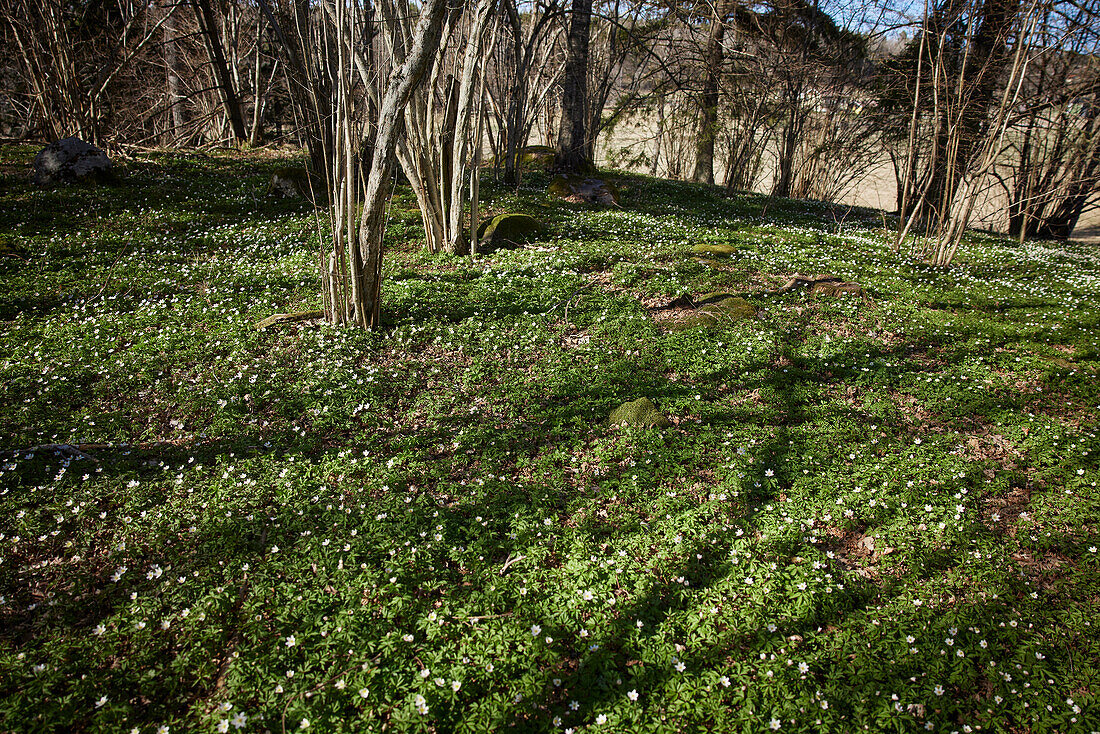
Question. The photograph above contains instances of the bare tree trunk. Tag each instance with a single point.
(259, 93)
(981, 161)
(516, 100)
(655, 163)
(570, 153)
(366, 271)
(525, 74)
(70, 75)
(967, 53)
(208, 26)
(310, 90)
(791, 134)
(1058, 163)
(904, 176)
(177, 100)
(475, 172)
(712, 71)
(440, 122)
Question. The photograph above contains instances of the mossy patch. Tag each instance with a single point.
(537, 156)
(640, 413)
(716, 250)
(713, 310)
(531, 157)
(537, 151)
(506, 231)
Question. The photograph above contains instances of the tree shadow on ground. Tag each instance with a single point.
(559, 411)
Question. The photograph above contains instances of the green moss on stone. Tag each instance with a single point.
(529, 157)
(717, 250)
(715, 309)
(640, 413)
(537, 156)
(506, 231)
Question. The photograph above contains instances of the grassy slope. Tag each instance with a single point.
(871, 514)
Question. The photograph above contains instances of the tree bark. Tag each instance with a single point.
(712, 73)
(367, 257)
(177, 100)
(208, 25)
(570, 155)
(963, 126)
(517, 99)
(440, 127)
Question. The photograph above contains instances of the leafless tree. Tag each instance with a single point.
(441, 122)
(210, 26)
(73, 53)
(713, 62)
(971, 59)
(960, 56)
(978, 166)
(177, 98)
(407, 74)
(522, 74)
(623, 33)
(1055, 138)
(356, 110)
(308, 59)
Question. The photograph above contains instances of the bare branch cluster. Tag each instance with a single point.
(970, 101)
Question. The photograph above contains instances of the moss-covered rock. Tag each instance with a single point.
(640, 413)
(726, 308)
(713, 297)
(715, 309)
(294, 183)
(715, 250)
(583, 190)
(506, 231)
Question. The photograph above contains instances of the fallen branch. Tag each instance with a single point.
(285, 318)
(509, 561)
(110, 272)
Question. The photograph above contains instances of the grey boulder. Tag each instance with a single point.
(71, 160)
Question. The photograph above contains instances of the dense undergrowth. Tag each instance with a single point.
(870, 514)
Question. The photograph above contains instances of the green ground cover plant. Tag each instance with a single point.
(869, 513)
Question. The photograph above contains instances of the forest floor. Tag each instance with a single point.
(869, 512)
